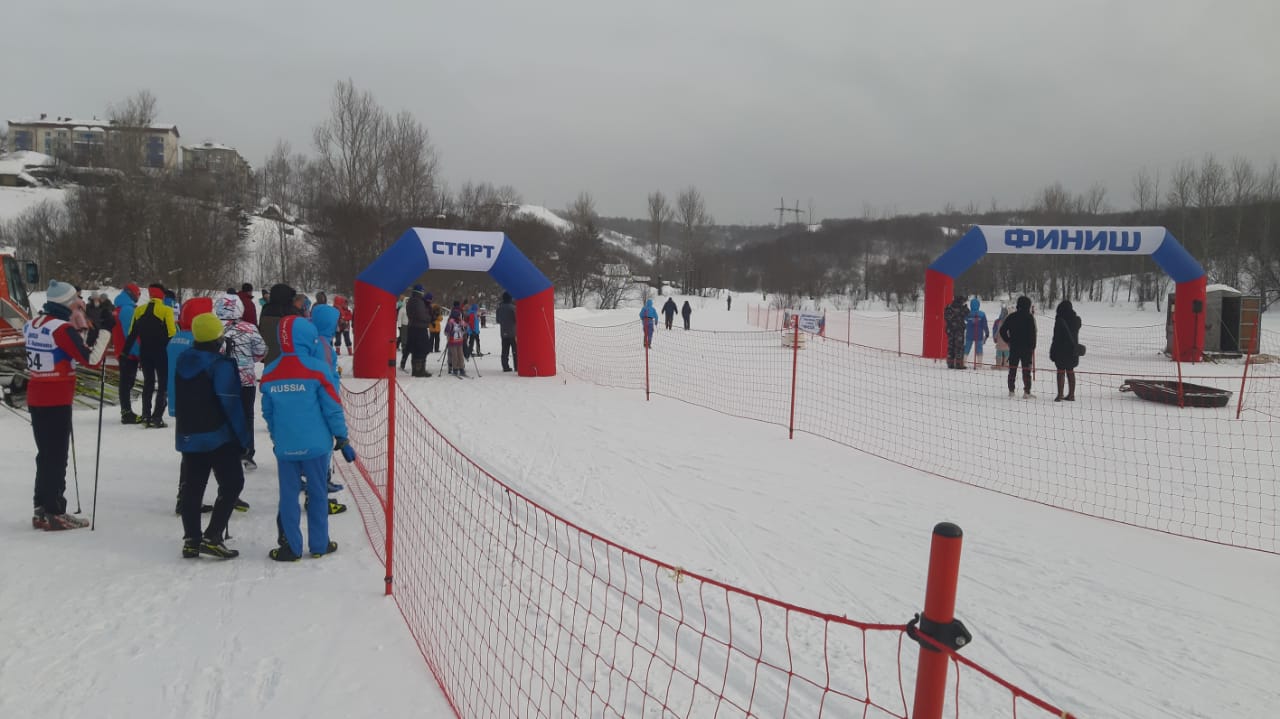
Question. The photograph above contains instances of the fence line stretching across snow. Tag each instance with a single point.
(519, 612)
(1208, 474)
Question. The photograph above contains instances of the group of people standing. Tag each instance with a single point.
(202, 368)
(649, 317)
(1015, 333)
(422, 321)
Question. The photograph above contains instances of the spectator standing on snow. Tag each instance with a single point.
(455, 331)
(280, 305)
(1002, 347)
(418, 311)
(1019, 332)
(243, 343)
(728, 303)
(343, 334)
(956, 316)
(437, 319)
(246, 300)
(126, 355)
(668, 310)
(153, 326)
(182, 341)
(473, 330)
(321, 298)
(304, 416)
(263, 300)
(53, 350)
(649, 319)
(507, 329)
(976, 332)
(685, 313)
(1064, 350)
(211, 435)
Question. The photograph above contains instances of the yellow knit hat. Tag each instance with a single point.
(206, 327)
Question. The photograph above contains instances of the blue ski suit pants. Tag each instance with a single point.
(291, 474)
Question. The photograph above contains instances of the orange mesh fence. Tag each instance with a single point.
(519, 612)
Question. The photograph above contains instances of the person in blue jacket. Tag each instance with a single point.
(303, 411)
(976, 331)
(127, 358)
(211, 435)
(325, 318)
(648, 316)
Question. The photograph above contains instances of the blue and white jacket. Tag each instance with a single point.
(300, 401)
(325, 318)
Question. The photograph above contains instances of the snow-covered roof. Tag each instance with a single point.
(11, 167)
(81, 125)
(1222, 288)
(209, 146)
(29, 158)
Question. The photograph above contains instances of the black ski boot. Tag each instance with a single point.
(215, 548)
(128, 417)
(333, 547)
(283, 554)
(241, 506)
(190, 548)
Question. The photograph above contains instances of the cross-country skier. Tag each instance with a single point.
(669, 311)
(211, 435)
(473, 330)
(304, 416)
(153, 326)
(243, 343)
(1019, 331)
(976, 331)
(649, 319)
(955, 316)
(126, 356)
(54, 349)
(455, 332)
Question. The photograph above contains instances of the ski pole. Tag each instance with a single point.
(475, 364)
(75, 467)
(97, 458)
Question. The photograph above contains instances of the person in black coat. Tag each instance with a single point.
(1019, 332)
(686, 312)
(1064, 351)
(955, 317)
(669, 311)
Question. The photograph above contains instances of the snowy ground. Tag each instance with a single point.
(114, 623)
(1102, 619)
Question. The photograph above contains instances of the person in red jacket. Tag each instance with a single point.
(54, 348)
(250, 307)
(344, 325)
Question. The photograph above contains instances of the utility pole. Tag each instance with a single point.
(782, 208)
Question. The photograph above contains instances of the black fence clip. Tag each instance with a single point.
(953, 636)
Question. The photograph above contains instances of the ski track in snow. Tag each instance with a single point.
(116, 621)
(1100, 618)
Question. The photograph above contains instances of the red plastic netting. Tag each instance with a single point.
(1197, 472)
(521, 613)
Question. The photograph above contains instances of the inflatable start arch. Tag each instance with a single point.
(422, 249)
(1189, 276)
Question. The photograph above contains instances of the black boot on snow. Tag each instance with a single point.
(215, 548)
(127, 417)
(241, 506)
(333, 547)
(190, 548)
(283, 554)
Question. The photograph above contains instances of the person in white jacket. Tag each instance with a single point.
(402, 319)
(243, 343)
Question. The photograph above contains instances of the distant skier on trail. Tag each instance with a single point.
(455, 332)
(976, 332)
(211, 435)
(685, 313)
(649, 319)
(955, 316)
(1019, 331)
(54, 349)
(669, 311)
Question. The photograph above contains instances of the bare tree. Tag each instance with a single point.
(409, 171)
(126, 142)
(1210, 193)
(1243, 186)
(660, 215)
(350, 144)
(581, 250)
(1146, 191)
(695, 239)
(1268, 257)
(1094, 201)
(1182, 185)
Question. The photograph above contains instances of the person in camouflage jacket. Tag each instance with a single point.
(956, 317)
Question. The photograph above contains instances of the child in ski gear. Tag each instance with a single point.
(956, 315)
(344, 325)
(473, 330)
(437, 319)
(54, 349)
(507, 330)
(211, 435)
(976, 331)
(1002, 347)
(456, 334)
(668, 311)
(685, 313)
(126, 356)
(303, 411)
(1064, 350)
(649, 319)
(183, 339)
(1019, 332)
(242, 343)
(153, 326)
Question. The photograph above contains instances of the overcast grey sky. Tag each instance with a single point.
(899, 104)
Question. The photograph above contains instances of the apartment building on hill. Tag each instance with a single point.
(86, 143)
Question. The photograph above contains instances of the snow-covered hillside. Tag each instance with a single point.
(16, 200)
(626, 243)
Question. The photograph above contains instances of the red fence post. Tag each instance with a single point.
(390, 508)
(939, 611)
(1243, 376)
(795, 365)
(1177, 358)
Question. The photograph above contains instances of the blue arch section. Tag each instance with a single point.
(962, 255)
(493, 252)
(1174, 259)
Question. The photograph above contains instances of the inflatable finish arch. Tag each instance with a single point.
(421, 249)
(939, 281)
